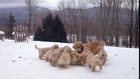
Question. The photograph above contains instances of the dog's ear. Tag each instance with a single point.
(74, 46)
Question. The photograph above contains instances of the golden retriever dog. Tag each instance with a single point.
(65, 58)
(79, 46)
(74, 58)
(49, 52)
(90, 59)
(42, 51)
(93, 61)
(102, 54)
(56, 55)
(82, 57)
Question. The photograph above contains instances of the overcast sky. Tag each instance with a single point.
(16, 3)
(51, 4)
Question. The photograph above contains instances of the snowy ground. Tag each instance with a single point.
(20, 61)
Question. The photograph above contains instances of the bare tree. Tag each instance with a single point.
(61, 8)
(68, 14)
(83, 20)
(96, 21)
(31, 5)
(130, 5)
(115, 21)
(102, 17)
(136, 25)
(107, 23)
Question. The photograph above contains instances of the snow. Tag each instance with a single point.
(1, 32)
(20, 61)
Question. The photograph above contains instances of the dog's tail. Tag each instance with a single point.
(36, 47)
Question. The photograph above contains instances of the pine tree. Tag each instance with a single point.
(59, 30)
(39, 34)
(47, 24)
(52, 30)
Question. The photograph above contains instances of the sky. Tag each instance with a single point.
(52, 4)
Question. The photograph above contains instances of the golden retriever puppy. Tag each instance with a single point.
(55, 55)
(79, 46)
(65, 58)
(82, 57)
(91, 60)
(48, 53)
(74, 58)
(102, 54)
(42, 51)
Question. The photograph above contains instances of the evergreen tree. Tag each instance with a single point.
(47, 24)
(39, 34)
(59, 30)
(11, 25)
(52, 30)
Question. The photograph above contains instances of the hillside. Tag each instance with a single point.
(20, 13)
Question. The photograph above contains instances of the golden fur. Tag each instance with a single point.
(56, 55)
(82, 57)
(102, 54)
(42, 51)
(93, 61)
(48, 54)
(65, 58)
(90, 59)
(74, 59)
(79, 46)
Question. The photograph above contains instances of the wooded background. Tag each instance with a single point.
(114, 21)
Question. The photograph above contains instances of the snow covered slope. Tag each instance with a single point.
(20, 61)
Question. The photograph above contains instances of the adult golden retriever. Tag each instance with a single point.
(79, 46)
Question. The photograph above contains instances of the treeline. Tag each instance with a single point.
(114, 21)
(110, 22)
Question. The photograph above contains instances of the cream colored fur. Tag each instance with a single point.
(48, 54)
(65, 58)
(79, 46)
(74, 59)
(102, 54)
(42, 51)
(90, 59)
(56, 55)
(93, 61)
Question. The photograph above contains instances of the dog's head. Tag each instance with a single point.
(78, 46)
(67, 49)
(55, 46)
